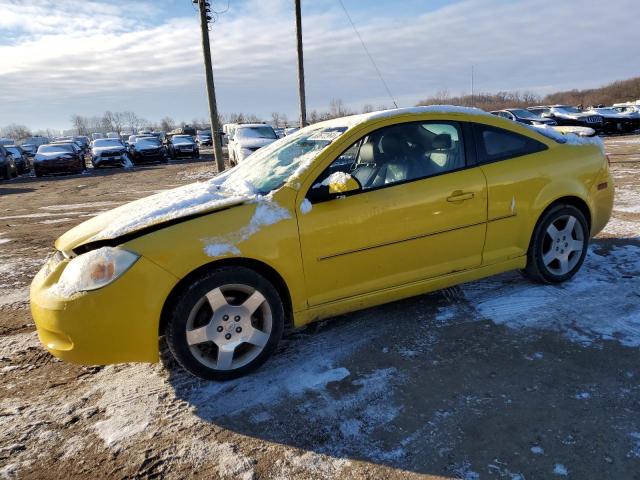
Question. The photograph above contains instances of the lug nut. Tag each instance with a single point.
(227, 336)
(237, 318)
(219, 328)
(225, 317)
(238, 329)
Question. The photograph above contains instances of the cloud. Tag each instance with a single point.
(69, 56)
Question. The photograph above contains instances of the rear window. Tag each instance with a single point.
(496, 144)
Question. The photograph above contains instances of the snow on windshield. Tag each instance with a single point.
(272, 166)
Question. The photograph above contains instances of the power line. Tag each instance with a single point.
(364, 46)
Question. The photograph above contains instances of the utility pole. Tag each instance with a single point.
(472, 92)
(301, 93)
(211, 91)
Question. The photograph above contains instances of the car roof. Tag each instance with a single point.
(253, 125)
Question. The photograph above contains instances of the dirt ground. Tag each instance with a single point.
(498, 379)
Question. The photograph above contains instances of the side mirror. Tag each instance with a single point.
(342, 184)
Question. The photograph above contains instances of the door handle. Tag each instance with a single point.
(459, 196)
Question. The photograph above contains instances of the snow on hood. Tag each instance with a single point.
(169, 205)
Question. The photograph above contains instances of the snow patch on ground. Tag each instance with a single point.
(572, 308)
(33, 215)
(130, 399)
(560, 470)
(12, 345)
(3, 239)
(628, 201)
(56, 220)
(80, 206)
(621, 228)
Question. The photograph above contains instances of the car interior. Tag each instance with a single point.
(400, 153)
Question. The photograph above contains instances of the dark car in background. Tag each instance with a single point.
(569, 116)
(109, 152)
(147, 149)
(8, 168)
(614, 121)
(20, 158)
(183, 146)
(29, 149)
(55, 158)
(77, 148)
(204, 138)
(523, 116)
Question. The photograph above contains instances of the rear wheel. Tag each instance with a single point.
(559, 245)
(226, 324)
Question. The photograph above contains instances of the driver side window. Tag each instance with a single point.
(394, 155)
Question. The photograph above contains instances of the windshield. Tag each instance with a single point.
(14, 150)
(521, 113)
(182, 139)
(270, 167)
(148, 141)
(609, 111)
(107, 142)
(256, 132)
(28, 148)
(569, 109)
(65, 148)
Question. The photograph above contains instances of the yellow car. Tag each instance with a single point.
(340, 216)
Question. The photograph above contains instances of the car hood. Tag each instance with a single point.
(53, 156)
(149, 213)
(142, 148)
(255, 142)
(98, 150)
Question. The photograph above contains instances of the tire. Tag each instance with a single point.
(559, 245)
(213, 306)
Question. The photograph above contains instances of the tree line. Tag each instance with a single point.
(127, 121)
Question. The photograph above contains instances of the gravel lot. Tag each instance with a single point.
(499, 378)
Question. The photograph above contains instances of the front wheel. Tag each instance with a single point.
(559, 245)
(225, 324)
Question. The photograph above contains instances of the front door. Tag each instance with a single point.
(419, 213)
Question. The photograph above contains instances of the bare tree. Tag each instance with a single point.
(15, 132)
(275, 119)
(80, 124)
(167, 124)
(367, 108)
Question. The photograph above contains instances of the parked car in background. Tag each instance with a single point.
(23, 165)
(109, 152)
(523, 116)
(55, 158)
(181, 146)
(29, 149)
(344, 215)
(36, 140)
(279, 132)
(113, 135)
(290, 130)
(6, 141)
(76, 147)
(8, 168)
(248, 138)
(567, 115)
(612, 120)
(631, 111)
(97, 136)
(147, 149)
(204, 138)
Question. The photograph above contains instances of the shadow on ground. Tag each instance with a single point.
(442, 384)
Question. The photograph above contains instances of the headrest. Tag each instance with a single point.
(391, 146)
(441, 142)
(366, 153)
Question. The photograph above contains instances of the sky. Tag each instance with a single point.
(65, 57)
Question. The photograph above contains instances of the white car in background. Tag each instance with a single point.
(249, 137)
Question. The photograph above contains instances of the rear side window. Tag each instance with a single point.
(496, 144)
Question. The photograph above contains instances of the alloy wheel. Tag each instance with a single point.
(229, 327)
(563, 245)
